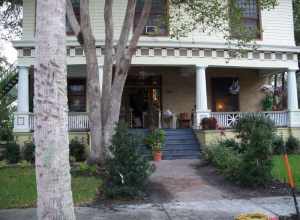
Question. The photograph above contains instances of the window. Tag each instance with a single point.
(157, 22)
(77, 95)
(76, 7)
(250, 16)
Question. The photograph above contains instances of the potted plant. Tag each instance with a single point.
(156, 140)
(209, 123)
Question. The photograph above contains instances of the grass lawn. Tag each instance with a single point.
(279, 168)
(18, 189)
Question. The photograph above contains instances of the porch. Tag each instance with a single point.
(171, 97)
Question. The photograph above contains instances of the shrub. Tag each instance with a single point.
(12, 153)
(249, 162)
(231, 143)
(257, 134)
(29, 152)
(84, 169)
(24, 163)
(127, 172)
(3, 163)
(77, 150)
(278, 145)
(292, 145)
(225, 159)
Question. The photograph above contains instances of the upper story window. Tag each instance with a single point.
(250, 16)
(157, 24)
(76, 7)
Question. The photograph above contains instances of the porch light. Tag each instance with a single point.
(220, 106)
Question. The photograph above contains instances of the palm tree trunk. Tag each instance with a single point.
(51, 114)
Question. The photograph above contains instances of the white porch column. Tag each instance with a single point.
(23, 119)
(293, 108)
(100, 77)
(292, 91)
(294, 113)
(201, 96)
(23, 90)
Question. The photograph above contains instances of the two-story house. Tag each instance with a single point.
(184, 79)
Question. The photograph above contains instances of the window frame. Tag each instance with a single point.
(259, 34)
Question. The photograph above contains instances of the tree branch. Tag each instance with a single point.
(108, 59)
(73, 21)
(126, 28)
(140, 27)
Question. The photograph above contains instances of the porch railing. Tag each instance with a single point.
(228, 119)
(77, 121)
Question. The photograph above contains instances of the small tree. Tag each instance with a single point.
(128, 171)
(257, 134)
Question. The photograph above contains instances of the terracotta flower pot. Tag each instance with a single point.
(157, 155)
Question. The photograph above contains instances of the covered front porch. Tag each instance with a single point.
(172, 97)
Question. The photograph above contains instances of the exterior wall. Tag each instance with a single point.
(178, 92)
(178, 88)
(277, 24)
(208, 137)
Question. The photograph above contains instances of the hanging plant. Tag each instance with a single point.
(234, 89)
(267, 103)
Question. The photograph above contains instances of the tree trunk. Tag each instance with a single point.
(104, 117)
(125, 50)
(94, 94)
(51, 114)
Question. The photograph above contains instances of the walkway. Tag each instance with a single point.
(188, 181)
(209, 210)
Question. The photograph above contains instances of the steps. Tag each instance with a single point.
(180, 144)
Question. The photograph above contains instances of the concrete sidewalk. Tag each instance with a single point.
(204, 210)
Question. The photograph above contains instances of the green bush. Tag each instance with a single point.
(278, 145)
(225, 159)
(77, 150)
(29, 152)
(250, 161)
(12, 153)
(292, 145)
(257, 134)
(231, 143)
(84, 169)
(127, 172)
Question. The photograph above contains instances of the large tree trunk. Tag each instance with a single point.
(94, 94)
(86, 38)
(112, 94)
(51, 114)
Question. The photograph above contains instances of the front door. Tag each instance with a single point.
(225, 94)
(141, 102)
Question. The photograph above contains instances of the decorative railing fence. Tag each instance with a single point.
(228, 119)
(79, 121)
(76, 121)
